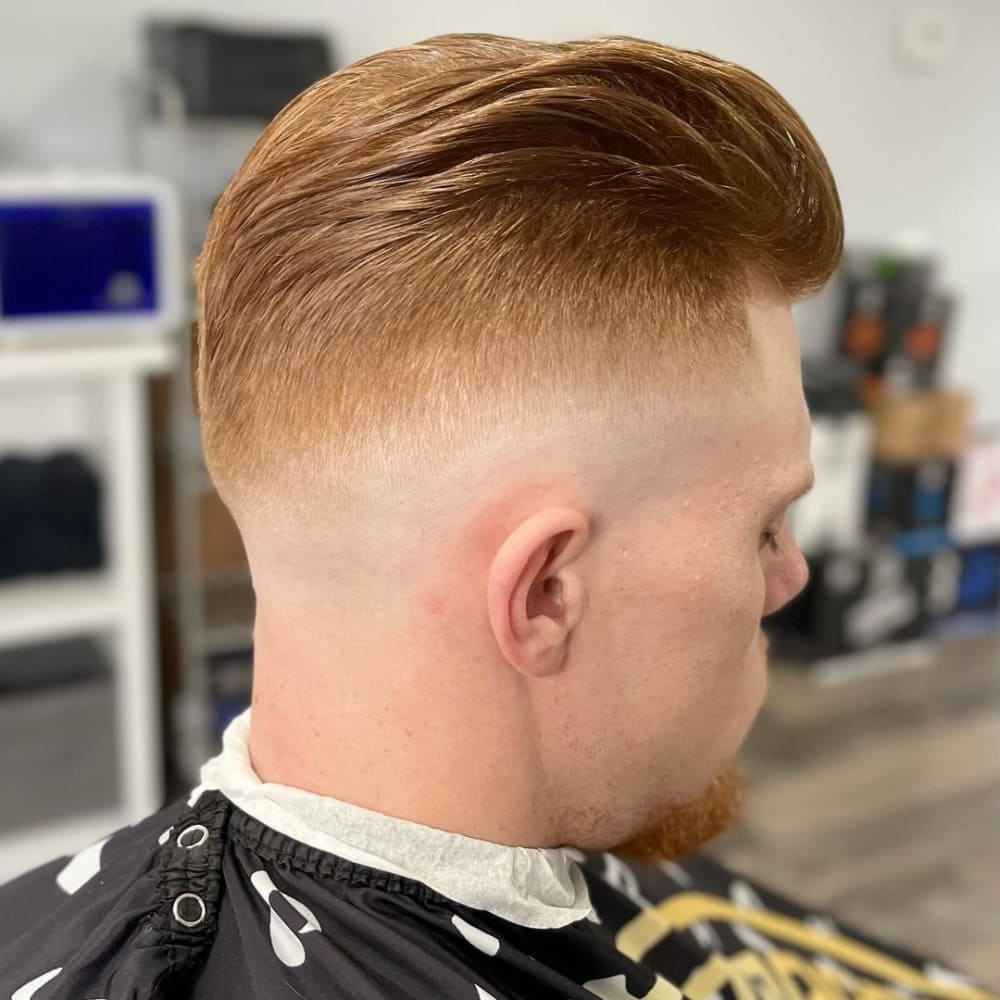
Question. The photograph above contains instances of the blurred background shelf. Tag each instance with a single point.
(36, 845)
(78, 669)
(41, 608)
(54, 356)
(58, 717)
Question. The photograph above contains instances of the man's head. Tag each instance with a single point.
(497, 373)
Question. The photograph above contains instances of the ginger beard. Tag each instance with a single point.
(691, 823)
(694, 821)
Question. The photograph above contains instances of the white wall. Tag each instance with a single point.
(908, 150)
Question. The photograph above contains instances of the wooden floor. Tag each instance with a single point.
(877, 799)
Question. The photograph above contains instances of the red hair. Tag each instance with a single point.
(451, 239)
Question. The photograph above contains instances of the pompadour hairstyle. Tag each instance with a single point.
(464, 236)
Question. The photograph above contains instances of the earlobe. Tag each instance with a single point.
(535, 594)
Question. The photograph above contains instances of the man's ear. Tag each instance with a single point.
(535, 593)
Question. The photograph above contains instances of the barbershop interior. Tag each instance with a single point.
(126, 603)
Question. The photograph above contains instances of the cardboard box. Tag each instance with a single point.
(916, 426)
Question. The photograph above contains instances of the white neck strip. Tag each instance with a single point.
(531, 886)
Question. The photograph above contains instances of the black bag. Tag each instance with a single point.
(50, 515)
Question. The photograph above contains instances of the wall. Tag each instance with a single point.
(908, 150)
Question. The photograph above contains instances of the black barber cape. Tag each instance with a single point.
(257, 891)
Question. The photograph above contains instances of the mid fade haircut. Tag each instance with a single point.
(468, 236)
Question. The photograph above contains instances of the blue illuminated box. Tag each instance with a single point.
(89, 252)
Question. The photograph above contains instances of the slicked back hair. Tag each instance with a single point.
(463, 236)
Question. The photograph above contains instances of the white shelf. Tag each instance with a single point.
(41, 608)
(120, 598)
(45, 357)
(22, 850)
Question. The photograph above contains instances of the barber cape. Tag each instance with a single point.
(253, 890)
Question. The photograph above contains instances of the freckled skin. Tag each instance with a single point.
(432, 603)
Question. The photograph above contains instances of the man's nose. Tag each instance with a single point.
(798, 572)
(792, 574)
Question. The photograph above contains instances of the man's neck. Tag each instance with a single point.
(417, 738)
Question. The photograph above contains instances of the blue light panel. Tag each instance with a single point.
(76, 259)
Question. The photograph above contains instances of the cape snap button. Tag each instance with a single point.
(189, 909)
(192, 836)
